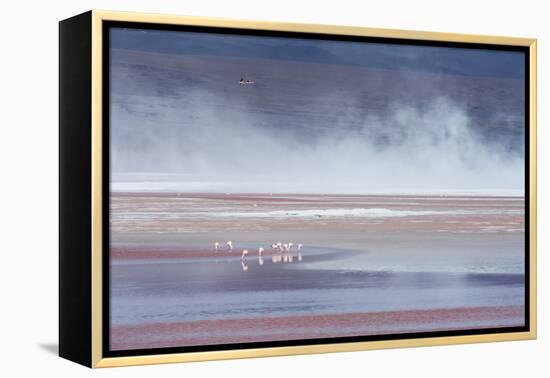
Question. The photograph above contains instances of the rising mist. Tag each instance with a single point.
(183, 123)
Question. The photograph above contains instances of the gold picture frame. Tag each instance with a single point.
(90, 329)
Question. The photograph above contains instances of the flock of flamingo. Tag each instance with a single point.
(282, 252)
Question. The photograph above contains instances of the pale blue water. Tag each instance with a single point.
(155, 291)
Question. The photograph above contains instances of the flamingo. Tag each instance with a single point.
(216, 246)
(245, 252)
(230, 246)
(260, 251)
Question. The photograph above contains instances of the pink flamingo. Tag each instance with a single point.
(244, 254)
(230, 246)
(216, 246)
(260, 251)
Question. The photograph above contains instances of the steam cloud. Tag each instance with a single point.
(201, 141)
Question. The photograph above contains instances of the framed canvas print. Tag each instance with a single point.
(235, 189)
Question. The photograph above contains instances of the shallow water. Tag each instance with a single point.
(199, 289)
(361, 254)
